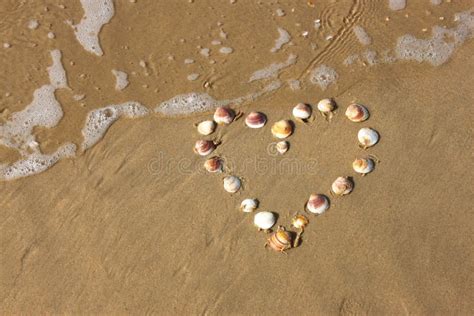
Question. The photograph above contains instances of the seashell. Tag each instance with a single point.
(232, 184)
(357, 112)
(282, 129)
(342, 186)
(206, 127)
(255, 120)
(317, 204)
(204, 147)
(363, 165)
(249, 205)
(213, 164)
(282, 147)
(368, 137)
(302, 112)
(299, 221)
(264, 220)
(280, 240)
(326, 106)
(223, 115)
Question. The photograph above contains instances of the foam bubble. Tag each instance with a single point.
(121, 79)
(351, 59)
(188, 103)
(370, 57)
(283, 38)
(193, 77)
(205, 52)
(96, 14)
(294, 84)
(396, 5)
(273, 70)
(33, 24)
(98, 121)
(56, 72)
(323, 76)
(436, 2)
(35, 163)
(362, 35)
(226, 50)
(279, 12)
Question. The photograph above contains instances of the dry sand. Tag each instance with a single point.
(134, 225)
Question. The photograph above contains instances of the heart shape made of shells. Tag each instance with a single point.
(282, 239)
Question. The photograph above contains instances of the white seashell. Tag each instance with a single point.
(232, 184)
(223, 115)
(357, 112)
(342, 186)
(282, 147)
(204, 147)
(326, 106)
(282, 129)
(317, 204)
(206, 127)
(367, 137)
(249, 205)
(363, 165)
(255, 120)
(213, 165)
(302, 111)
(264, 220)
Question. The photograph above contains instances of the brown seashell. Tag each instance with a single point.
(317, 204)
(280, 240)
(357, 112)
(342, 186)
(204, 147)
(223, 115)
(255, 120)
(213, 165)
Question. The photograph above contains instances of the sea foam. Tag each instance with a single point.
(98, 121)
(274, 69)
(323, 76)
(43, 111)
(188, 103)
(121, 79)
(56, 72)
(96, 14)
(362, 35)
(36, 163)
(283, 38)
(397, 5)
(437, 49)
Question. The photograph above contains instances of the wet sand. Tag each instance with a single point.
(134, 225)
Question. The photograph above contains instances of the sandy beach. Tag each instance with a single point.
(133, 224)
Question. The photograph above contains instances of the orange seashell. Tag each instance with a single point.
(280, 240)
(282, 129)
(299, 221)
